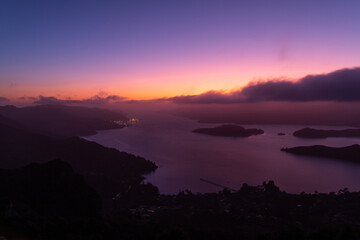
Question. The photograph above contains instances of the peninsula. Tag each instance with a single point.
(349, 153)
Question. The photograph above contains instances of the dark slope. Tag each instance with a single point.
(350, 153)
(47, 201)
(51, 188)
(19, 147)
(261, 212)
(8, 122)
(62, 120)
(229, 131)
(107, 170)
(319, 133)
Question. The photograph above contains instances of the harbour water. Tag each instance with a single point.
(184, 157)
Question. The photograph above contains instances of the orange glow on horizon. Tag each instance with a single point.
(145, 86)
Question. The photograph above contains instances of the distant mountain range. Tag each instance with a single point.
(61, 120)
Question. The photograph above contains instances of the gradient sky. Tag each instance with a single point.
(150, 49)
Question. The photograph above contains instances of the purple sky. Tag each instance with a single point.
(150, 49)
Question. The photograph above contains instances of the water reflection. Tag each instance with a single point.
(184, 157)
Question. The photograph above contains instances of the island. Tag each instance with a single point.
(319, 133)
(349, 153)
(229, 130)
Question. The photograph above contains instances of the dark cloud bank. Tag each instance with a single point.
(341, 85)
(3, 99)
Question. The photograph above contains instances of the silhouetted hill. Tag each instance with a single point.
(8, 122)
(350, 153)
(47, 201)
(51, 189)
(106, 169)
(61, 120)
(229, 131)
(50, 201)
(319, 133)
(256, 212)
(252, 212)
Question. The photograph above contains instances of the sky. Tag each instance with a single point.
(154, 49)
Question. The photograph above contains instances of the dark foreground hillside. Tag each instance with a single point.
(51, 201)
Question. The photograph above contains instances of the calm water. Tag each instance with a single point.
(184, 157)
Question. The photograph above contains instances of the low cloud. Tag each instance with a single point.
(54, 100)
(342, 85)
(210, 97)
(100, 99)
(28, 98)
(97, 99)
(3, 99)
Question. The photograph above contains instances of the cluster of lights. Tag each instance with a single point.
(129, 122)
